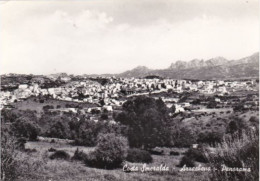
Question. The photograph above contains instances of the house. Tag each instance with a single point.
(108, 108)
(178, 108)
(23, 86)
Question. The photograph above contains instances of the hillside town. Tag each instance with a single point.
(116, 91)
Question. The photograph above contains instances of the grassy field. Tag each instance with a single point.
(215, 119)
(57, 170)
(34, 104)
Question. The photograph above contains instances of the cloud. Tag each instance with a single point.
(96, 40)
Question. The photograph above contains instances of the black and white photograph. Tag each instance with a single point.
(129, 90)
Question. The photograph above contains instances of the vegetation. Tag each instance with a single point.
(60, 154)
(175, 153)
(23, 128)
(9, 165)
(237, 151)
(182, 137)
(110, 152)
(229, 138)
(197, 154)
(211, 138)
(79, 155)
(186, 161)
(146, 120)
(138, 156)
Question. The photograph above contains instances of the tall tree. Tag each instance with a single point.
(146, 120)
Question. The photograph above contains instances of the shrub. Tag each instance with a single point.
(139, 156)
(59, 129)
(86, 133)
(16, 164)
(186, 161)
(197, 154)
(104, 116)
(26, 129)
(28, 150)
(8, 163)
(109, 177)
(183, 137)
(47, 107)
(211, 138)
(175, 153)
(60, 154)
(79, 155)
(111, 151)
(156, 151)
(52, 150)
(237, 125)
(254, 121)
(236, 151)
(21, 143)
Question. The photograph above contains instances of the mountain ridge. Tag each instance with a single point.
(214, 68)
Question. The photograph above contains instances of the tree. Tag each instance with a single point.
(173, 108)
(111, 151)
(146, 120)
(87, 132)
(102, 102)
(239, 107)
(26, 129)
(104, 116)
(237, 125)
(212, 104)
(182, 137)
(59, 130)
(254, 121)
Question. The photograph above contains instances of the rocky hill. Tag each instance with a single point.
(215, 68)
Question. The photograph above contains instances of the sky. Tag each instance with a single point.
(112, 36)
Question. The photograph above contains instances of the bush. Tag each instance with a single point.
(16, 164)
(183, 137)
(139, 156)
(211, 138)
(254, 121)
(109, 177)
(28, 150)
(52, 150)
(59, 129)
(47, 107)
(186, 161)
(111, 151)
(236, 151)
(104, 116)
(58, 106)
(60, 154)
(237, 125)
(156, 151)
(9, 165)
(175, 153)
(25, 128)
(79, 155)
(197, 154)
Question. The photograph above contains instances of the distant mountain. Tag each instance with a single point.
(139, 71)
(215, 68)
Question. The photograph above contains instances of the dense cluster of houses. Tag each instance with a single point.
(111, 93)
